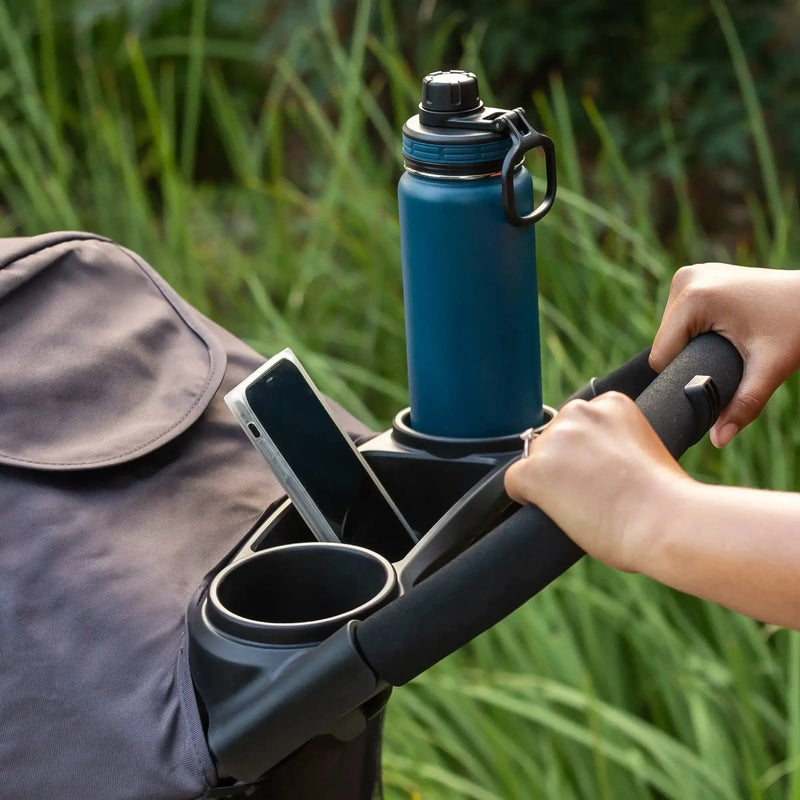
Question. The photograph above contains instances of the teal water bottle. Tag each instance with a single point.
(469, 263)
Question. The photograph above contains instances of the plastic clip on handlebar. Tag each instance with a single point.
(516, 560)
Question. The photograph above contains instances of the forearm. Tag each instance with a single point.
(733, 546)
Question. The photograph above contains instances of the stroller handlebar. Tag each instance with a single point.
(521, 556)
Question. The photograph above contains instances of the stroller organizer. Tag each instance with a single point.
(294, 639)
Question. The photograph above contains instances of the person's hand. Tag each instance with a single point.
(758, 310)
(601, 473)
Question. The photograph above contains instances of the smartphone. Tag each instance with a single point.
(333, 488)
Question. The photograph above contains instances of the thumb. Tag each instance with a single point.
(757, 386)
(676, 329)
(514, 482)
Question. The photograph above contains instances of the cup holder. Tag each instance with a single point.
(299, 593)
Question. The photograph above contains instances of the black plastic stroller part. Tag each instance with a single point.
(704, 397)
(269, 678)
(632, 378)
(470, 518)
(527, 551)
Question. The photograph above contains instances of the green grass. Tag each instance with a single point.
(604, 686)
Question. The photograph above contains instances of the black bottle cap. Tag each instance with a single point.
(451, 114)
(450, 92)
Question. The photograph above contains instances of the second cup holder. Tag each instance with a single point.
(299, 594)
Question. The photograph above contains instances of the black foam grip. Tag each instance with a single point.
(632, 378)
(466, 596)
(665, 403)
(517, 559)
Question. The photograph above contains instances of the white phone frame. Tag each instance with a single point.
(236, 400)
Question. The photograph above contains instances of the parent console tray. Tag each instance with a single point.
(294, 638)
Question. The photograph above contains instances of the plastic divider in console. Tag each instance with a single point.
(307, 639)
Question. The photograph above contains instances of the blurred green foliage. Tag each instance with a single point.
(643, 60)
(632, 56)
(639, 61)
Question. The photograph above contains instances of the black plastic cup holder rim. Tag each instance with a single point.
(298, 594)
(447, 447)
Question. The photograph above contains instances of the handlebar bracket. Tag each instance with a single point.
(703, 394)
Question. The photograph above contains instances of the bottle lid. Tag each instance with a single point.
(450, 92)
(449, 135)
(455, 136)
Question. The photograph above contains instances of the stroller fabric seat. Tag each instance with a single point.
(124, 484)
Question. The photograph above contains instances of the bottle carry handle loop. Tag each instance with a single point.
(525, 137)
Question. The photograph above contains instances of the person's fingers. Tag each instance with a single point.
(721, 433)
(520, 479)
(687, 313)
(757, 386)
(526, 478)
(513, 482)
(679, 324)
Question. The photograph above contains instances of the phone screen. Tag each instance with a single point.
(322, 459)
